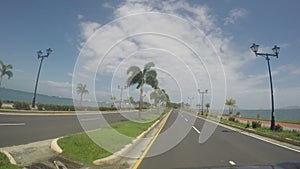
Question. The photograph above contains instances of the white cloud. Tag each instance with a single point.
(107, 5)
(234, 15)
(170, 40)
(79, 16)
(57, 84)
(19, 70)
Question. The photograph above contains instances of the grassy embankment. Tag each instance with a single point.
(81, 147)
(281, 121)
(5, 164)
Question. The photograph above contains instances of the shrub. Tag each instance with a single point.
(247, 125)
(256, 124)
(107, 108)
(231, 119)
(21, 106)
(278, 128)
(0, 104)
(40, 106)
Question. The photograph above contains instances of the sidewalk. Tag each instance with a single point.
(287, 126)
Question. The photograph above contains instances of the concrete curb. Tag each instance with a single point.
(54, 146)
(10, 157)
(117, 155)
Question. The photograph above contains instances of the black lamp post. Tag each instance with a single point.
(202, 94)
(40, 55)
(276, 50)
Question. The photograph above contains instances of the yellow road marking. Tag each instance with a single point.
(136, 165)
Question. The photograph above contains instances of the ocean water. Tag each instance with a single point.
(16, 95)
(280, 114)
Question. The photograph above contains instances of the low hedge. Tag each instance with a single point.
(21, 106)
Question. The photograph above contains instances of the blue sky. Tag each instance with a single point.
(29, 26)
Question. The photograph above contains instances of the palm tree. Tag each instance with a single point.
(81, 90)
(113, 98)
(131, 100)
(141, 77)
(207, 105)
(230, 103)
(4, 70)
(159, 98)
(168, 103)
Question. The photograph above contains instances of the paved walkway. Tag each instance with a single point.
(267, 123)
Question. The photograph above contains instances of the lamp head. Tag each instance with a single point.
(276, 50)
(254, 48)
(49, 50)
(39, 53)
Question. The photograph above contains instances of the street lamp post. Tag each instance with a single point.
(276, 50)
(121, 94)
(40, 55)
(202, 94)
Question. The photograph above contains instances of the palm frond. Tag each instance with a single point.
(133, 70)
(148, 65)
(135, 78)
(151, 79)
(9, 74)
(9, 66)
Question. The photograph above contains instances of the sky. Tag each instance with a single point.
(193, 44)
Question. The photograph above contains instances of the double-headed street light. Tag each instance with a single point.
(121, 94)
(202, 94)
(40, 55)
(276, 50)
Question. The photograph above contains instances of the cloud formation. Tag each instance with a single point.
(188, 47)
(234, 15)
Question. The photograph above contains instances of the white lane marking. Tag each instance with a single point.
(89, 119)
(247, 134)
(12, 124)
(232, 163)
(196, 129)
(186, 119)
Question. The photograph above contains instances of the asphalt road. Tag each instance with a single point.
(224, 148)
(22, 129)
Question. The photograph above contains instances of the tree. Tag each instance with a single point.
(140, 77)
(113, 98)
(159, 98)
(4, 70)
(230, 103)
(207, 105)
(168, 103)
(81, 90)
(131, 100)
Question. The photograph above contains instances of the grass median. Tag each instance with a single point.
(5, 164)
(101, 143)
(293, 135)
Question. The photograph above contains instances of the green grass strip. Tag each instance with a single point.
(80, 147)
(5, 164)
